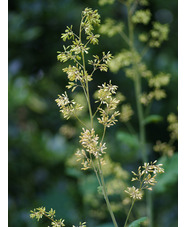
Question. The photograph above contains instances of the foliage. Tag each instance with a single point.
(137, 222)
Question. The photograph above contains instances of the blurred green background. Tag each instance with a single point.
(42, 168)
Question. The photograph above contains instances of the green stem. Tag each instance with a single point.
(104, 130)
(125, 38)
(142, 135)
(129, 213)
(105, 195)
(130, 127)
(97, 110)
(80, 120)
(99, 178)
(138, 92)
(86, 81)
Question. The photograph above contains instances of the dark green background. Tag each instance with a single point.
(39, 173)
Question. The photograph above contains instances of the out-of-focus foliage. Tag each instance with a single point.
(42, 167)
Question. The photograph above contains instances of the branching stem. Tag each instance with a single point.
(138, 93)
(99, 173)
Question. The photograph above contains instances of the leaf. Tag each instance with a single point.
(73, 172)
(106, 225)
(137, 223)
(152, 119)
(170, 176)
(128, 139)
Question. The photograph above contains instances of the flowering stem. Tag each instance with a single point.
(80, 120)
(97, 110)
(99, 176)
(86, 81)
(104, 130)
(105, 195)
(129, 212)
(87, 90)
(138, 92)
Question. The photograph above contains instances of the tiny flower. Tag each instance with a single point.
(134, 193)
(126, 113)
(67, 107)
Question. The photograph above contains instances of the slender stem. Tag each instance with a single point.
(49, 217)
(100, 177)
(133, 8)
(138, 92)
(125, 38)
(97, 110)
(130, 127)
(137, 85)
(129, 213)
(96, 172)
(138, 89)
(86, 81)
(80, 120)
(144, 51)
(105, 195)
(87, 91)
(104, 130)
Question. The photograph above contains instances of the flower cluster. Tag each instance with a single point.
(146, 176)
(126, 112)
(141, 16)
(73, 52)
(67, 107)
(105, 96)
(111, 27)
(167, 148)
(134, 193)
(156, 83)
(161, 79)
(158, 34)
(39, 212)
(81, 225)
(92, 148)
(104, 2)
(143, 2)
(90, 18)
(173, 126)
(79, 77)
(89, 141)
(122, 59)
(101, 64)
(76, 74)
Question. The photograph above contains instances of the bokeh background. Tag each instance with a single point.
(42, 168)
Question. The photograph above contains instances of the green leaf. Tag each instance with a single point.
(137, 223)
(170, 177)
(128, 139)
(152, 119)
(73, 172)
(106, 225)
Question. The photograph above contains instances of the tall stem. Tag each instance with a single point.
(138, 92)
(87, 91)
(99, 178)
(142, 133)
(105, 195)
(86, 81)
